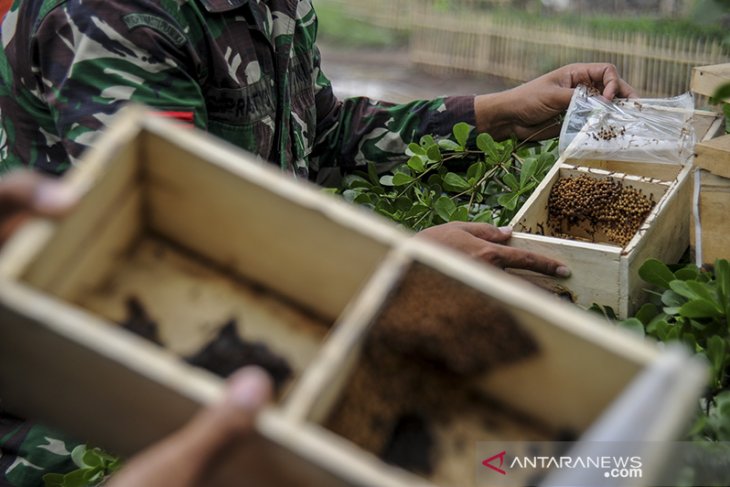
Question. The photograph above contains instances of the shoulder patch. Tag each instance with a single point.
(156, 23)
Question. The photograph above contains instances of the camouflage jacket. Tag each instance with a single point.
(245, 70)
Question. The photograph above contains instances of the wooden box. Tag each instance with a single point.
(606, 273)
(711, 203)
(707, 79)
(201, 233)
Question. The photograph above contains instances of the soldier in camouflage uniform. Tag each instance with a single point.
(247, 71)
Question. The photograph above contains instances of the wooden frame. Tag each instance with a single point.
(200, 227)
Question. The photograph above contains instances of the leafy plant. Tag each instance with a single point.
(693, 307)
(447, 180)
(94, 465)
(723, 93)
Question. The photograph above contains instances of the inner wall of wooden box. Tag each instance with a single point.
(198, 246)
(446, 366)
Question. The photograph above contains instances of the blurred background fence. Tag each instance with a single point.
(466, 37)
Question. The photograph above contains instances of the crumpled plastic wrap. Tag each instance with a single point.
(637, 130)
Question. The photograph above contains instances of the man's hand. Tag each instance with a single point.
(24, 193)
(188, 457)
(486, 243)
(531, 110)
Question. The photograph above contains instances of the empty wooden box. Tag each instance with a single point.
(376, 325)
(603, 272)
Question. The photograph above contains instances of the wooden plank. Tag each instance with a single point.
(106, 181)
(714, 156)
(594, 267)
(271, 230)
(707, 79)
(714, 209)
(315, 394)
(665, 236)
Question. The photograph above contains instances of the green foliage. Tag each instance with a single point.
(447, 180)
(692, 306)
(93, 464)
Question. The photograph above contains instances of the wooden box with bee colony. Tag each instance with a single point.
(604, 219)
(187, 234)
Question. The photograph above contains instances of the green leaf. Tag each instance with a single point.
(509, 200)
(672, 299)
(77, 455)
(647, 313)
(687, 273)
(427, 141)
(633, 325)
(656, 272)
(401, 179)
(448, 145)
(414, 149)
(444, 207)
(387, 180)
(476, 171)
(486, 216)
(717, 354)
(454, 182)
(373, 173)
(53, 480)
(487, 145)
(722, 277)
(461, 133)
(416, 163)
(694, 290)
(511, 181)
(434, 154)
(722, 92)
(92, 458)
(461, 214)
(403, 204)
(699, 308)
(528, 171)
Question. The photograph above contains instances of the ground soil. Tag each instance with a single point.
(388, 74)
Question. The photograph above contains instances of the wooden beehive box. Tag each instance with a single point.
(711, 201)
(201, 233)
(603, 272)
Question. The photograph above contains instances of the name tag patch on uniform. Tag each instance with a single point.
(155, 23)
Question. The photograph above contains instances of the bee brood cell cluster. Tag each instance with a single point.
(598, 206)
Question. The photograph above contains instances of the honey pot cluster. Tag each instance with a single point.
(598, 206)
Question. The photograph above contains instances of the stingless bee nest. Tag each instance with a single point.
(598, 206)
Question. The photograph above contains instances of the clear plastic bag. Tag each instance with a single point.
(639, 130)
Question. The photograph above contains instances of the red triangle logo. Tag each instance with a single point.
(488, 462)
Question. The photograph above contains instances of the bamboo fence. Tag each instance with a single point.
(467, 39)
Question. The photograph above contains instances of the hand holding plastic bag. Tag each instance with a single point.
(639, 130)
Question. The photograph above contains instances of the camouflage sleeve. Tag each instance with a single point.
(355, 131)
(96, 55)
(28, 451)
